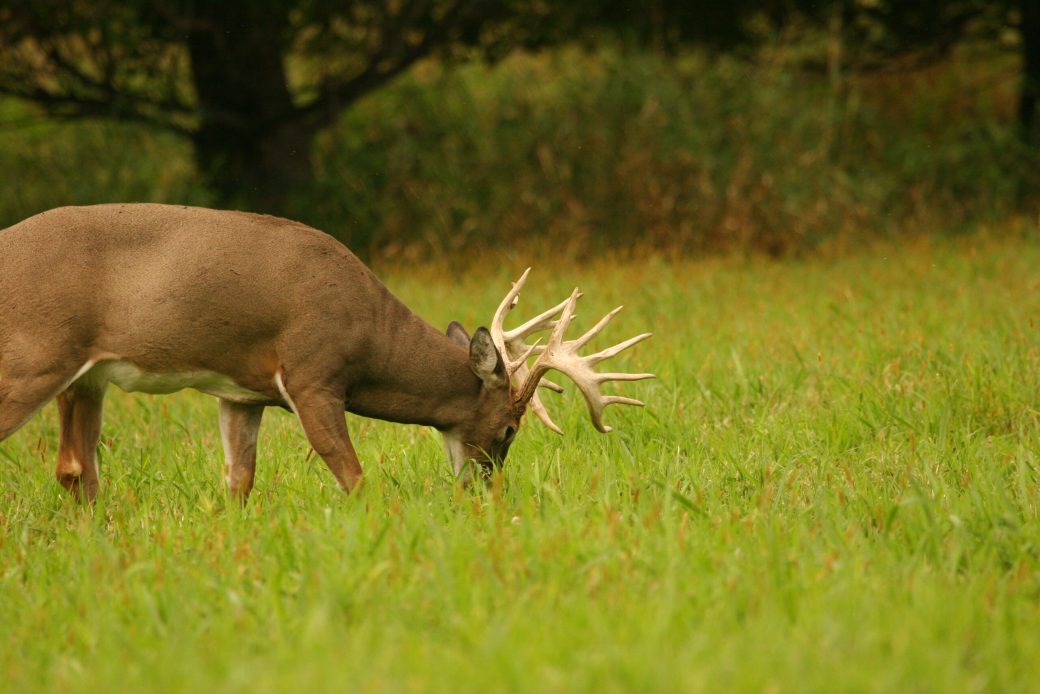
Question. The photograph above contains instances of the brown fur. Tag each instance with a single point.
(180, 289)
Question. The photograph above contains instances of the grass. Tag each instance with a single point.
(835, 487)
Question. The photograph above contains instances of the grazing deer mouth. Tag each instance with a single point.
(456, 451)
(463, 464)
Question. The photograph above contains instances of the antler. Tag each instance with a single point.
(515, 351)
(563, 356)
(560, 355)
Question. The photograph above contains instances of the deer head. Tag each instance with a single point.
(500, 359)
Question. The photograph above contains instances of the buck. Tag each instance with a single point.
(258, 311)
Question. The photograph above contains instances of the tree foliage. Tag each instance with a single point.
(249, 82)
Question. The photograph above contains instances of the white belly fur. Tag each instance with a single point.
(132, 379)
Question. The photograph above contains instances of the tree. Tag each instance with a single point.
(249, 82)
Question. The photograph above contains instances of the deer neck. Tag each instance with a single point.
(420, 376)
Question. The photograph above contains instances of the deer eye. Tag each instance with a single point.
(508, 435)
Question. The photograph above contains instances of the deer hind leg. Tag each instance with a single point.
(239, 426)
(322, 418)
(80, 410)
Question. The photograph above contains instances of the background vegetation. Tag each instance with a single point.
(605, 147)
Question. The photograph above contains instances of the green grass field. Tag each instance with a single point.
(834, 487)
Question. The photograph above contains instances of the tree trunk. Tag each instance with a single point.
(248, 146)
(1029, 100)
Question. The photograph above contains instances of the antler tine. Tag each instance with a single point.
(549, 385)
(522, 359)
(619, 377)
(563, 356)
(621, 400)
(563, 322)
(583, 340)
(506, 305)
(539, 409)
(618, 348)
(543, 321)
(510, 343)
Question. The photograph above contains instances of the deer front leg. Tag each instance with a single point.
(324, 424)
(80, 412)
(239, 426)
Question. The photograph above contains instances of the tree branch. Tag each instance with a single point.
(335, 94)
(70, 107)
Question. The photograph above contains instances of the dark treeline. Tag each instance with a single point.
(252, 86)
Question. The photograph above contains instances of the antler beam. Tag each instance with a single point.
(515, 352)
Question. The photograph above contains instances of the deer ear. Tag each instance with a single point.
(457, 333)
(485, 360)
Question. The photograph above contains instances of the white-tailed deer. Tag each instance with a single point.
(258, 311)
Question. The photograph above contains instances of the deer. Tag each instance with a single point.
(260, 311)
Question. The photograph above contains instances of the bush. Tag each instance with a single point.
(609, 149)
(50, 164)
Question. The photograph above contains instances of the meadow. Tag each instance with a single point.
(835, 485)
